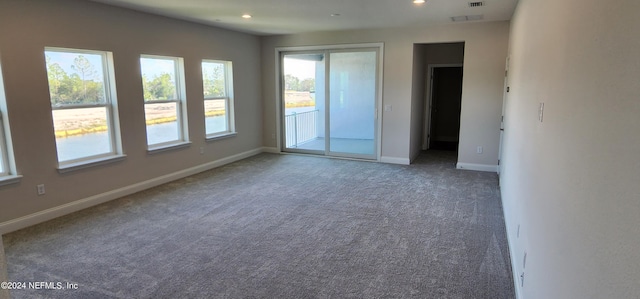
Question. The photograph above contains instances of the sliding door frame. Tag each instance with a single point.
(279, 63)
(281, 109)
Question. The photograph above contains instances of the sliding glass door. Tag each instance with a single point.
(330, 102)
(352, 102)
(303, 100)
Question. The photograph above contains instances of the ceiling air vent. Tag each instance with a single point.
(476, 4)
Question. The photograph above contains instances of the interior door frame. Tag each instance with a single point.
(281, 51)
(505, 94)
(426, 138)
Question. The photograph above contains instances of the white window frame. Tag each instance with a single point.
(8, 172)
(181, 106)
(110, 104)
(4, 158)
(228, 97)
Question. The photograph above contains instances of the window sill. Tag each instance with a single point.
(221, 136)
(167, 147)
(64, 168)
(10, 179)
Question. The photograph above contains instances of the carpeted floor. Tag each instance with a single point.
(282, 226)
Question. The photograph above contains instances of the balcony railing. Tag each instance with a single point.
(300, 128)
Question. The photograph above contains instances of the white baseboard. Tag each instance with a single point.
(395, 160)
(272, 150)
(512, 255)
(514, 271)
(477, 167)
(48, 214)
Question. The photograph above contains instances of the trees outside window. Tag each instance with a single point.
(218, 97)
(164, 100)
(82, 104)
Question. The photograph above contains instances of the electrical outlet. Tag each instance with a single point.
(202, 150)
(479, 150)
(541, 112)
(40, 188)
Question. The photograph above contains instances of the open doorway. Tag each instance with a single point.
(436, 96)
(445, 99)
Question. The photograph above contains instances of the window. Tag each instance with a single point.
(4, 169)
(164, 101)
(83, 107)
(218, 98)
(7, 168)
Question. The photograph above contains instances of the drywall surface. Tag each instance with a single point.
(417, 100)
(485, 53)
(570, 182)
(27, 27)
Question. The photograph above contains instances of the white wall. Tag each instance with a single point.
(486, 47)
(26, 27)
(571, 181)
(418, 90)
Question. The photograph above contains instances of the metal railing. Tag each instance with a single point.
(300, 127)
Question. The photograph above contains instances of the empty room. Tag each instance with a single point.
(319, 149)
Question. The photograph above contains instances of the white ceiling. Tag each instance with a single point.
(297, 16)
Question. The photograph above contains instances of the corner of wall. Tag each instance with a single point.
(395, 160)
(477, 167)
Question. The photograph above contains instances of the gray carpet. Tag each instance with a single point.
(282, 226)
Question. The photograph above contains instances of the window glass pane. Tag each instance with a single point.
(158, 79)
(75, 78)
(213, 78)
(215, 116)
(162, 122)
(81, 133)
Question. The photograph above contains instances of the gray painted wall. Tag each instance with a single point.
(486, 48)
(571, 182)
(418, 90)
(26, 27)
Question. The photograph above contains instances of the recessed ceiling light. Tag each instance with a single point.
(335, 14)
(418, 1)
(246, 16)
